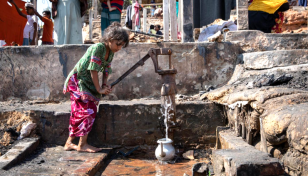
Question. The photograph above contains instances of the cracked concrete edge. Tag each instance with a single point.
(18, 152)
(92, 165)
(218, 130)
(236, 155)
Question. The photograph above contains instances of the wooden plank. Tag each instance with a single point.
(166, 19)
(95, 8)
(90, 24)
(173, 20)
(145, 14)
(180, 17)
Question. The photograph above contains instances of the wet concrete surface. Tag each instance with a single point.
(49, 160)
(144, 162)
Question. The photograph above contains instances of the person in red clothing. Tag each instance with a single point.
(48, 27)
(109, 5)
(110, 15)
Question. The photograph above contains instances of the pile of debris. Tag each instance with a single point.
(135, 37)
(295, 20)
(268, 94)
(14, 126)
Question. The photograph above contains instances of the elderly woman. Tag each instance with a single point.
(67, 20)
(266, 15)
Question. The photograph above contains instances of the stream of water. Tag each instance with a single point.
(167, 111)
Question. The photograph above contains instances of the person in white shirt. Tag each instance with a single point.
(30, 29)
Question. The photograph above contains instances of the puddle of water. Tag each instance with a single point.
(135, 167)
(145, 163)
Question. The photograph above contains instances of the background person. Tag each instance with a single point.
(157, 29)
(48, 27)
(67, 20)
(108, 16)
(109, 5)
(30, 29)
(265, 15)
(151, 30)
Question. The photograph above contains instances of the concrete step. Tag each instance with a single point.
(253, 40)
(18, 152)
(271, 59)
(237, 158)
(129, 123)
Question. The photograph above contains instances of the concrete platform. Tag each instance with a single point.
(50, 160)
(237, 158)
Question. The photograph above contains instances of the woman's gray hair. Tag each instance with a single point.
(115, 32)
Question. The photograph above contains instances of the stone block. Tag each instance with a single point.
(242, 3)
(245, 162)
(237, 158)
(92, 164)
(189, 155)
(18, 152)
(52, 126)
(271, 59)
(253, 40)
(242, 19)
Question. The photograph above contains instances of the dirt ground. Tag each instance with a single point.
(10, 126)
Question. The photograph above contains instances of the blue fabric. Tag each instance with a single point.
(177, 9)
(108, 17)
(159, 33)
(302, 3)
(152, 12)
(25, 42)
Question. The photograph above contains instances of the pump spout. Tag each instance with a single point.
(162, 153)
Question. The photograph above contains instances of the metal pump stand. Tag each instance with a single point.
(168, 82)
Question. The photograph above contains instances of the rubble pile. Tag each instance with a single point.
(270, 89)
(11, 124)
(135, 37)
(295, 21)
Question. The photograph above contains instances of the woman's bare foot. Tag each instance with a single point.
(70, 146)
(112, 9)
(88, 148)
